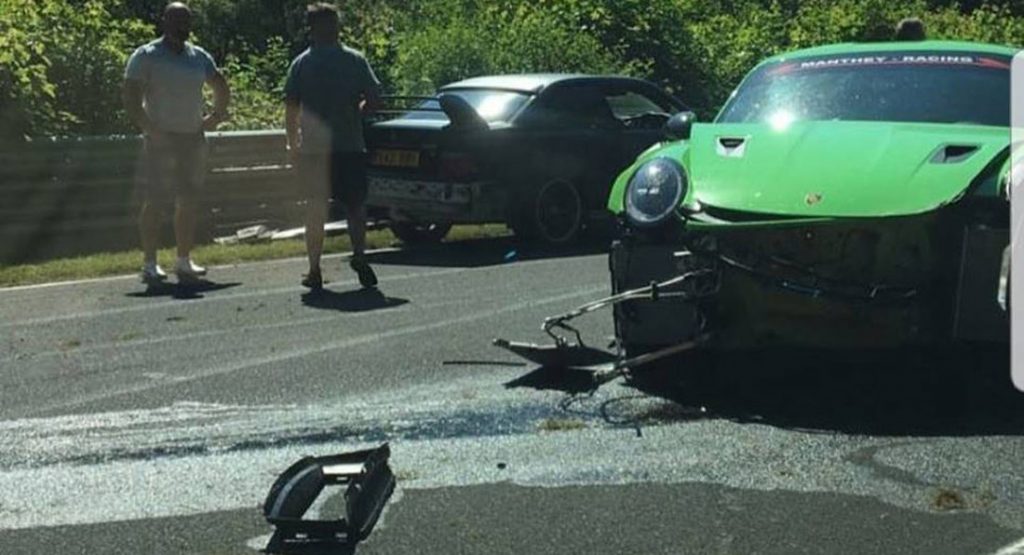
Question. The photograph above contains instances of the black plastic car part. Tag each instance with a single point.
(368, 482)
(688, 282)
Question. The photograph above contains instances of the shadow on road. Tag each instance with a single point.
(325, 548)
(359, 300)
(480, 252)
(955, 393)
(182, 290)
(555, 379)
(965, 392)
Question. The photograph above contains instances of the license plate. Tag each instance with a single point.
(396, 158)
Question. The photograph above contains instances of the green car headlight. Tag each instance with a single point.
(654, 191)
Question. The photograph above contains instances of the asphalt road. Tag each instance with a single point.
(136, 421)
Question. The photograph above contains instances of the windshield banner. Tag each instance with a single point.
(905, 59)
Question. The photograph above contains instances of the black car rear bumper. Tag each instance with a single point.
(437, 201)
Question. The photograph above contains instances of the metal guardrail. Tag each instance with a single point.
(61, 197)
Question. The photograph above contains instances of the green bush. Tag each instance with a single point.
(476, 38)
(61, 66)
(257, 85)
(61, 61)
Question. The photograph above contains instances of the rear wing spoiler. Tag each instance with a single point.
(459, 112)
(393, 106)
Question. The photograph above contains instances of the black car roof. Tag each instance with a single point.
(532, 83)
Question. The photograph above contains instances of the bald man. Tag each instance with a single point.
(163, 95)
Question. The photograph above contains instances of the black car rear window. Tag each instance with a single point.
(928, 87)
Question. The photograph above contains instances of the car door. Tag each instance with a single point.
(574, 136)
(642, 112)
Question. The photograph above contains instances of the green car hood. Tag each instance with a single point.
(838, 169)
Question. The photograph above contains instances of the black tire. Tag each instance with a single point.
(415, 233)
(553, 214)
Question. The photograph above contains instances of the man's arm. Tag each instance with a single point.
(292, 110)
(221, 101)
(371, 101)
(131, 96)
(371, 90)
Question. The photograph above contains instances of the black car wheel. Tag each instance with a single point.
(415, 233)
(554, 214)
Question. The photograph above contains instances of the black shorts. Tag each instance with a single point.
(337, 175)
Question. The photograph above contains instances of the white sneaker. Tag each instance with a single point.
(187, 269)
(152, 272)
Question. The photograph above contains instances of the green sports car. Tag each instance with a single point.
(846, 196)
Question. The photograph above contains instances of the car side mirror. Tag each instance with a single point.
(678, 127)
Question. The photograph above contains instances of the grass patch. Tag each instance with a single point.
(406, 475)
(561, 425)
(128, 262)
(948, 500)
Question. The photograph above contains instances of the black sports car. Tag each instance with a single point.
(538, 152)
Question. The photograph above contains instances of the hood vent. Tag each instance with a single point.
(731, 147)
(953, 154)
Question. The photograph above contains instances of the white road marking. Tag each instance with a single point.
(121, 490)
(11, 323)
(226, 476)
(322, 348)
(259, 543)
(191, 336)
(49, 285)
(1016, 548)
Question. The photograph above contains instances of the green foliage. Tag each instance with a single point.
(466, 39)
(257, 85)
(999, 24)
(61, 60)
(61, 66)
(26, 95)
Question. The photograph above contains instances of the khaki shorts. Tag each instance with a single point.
(173, 166)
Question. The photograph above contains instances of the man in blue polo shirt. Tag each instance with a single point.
(329, 89)
(163, 95)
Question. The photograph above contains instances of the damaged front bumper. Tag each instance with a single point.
(645, 324)
(680, 286)
(842, 285)
(882, 283)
